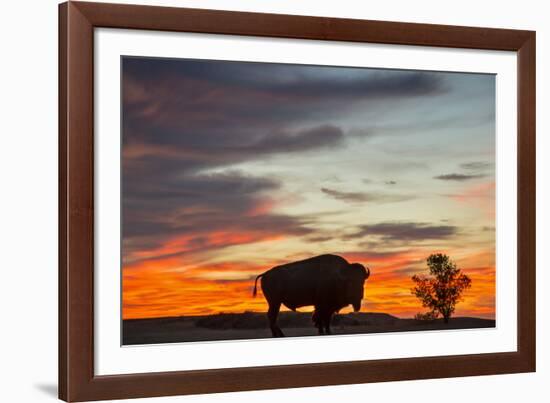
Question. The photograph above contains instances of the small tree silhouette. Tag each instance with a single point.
(442, 291)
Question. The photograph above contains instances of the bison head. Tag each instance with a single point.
(356, 274)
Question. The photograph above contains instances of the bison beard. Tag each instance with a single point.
(328, 282)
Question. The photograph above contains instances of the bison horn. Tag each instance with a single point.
(368, 273)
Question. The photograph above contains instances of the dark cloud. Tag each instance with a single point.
(315, 138)
(458, 177)
(360, 197)
(476, 166)
(245, 110)
(159, 207)
(353, 197)
(475, 171)
(405, 231)
(196, 153)
(377, 86)
(320, 238)
(212, 113)
(207, 232)
(390, 182)
(184, 118)
(306, 81)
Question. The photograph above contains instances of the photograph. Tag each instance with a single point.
(266, 200)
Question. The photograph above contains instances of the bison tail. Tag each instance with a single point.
(255, 291)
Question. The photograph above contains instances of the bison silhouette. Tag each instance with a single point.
(328, 282)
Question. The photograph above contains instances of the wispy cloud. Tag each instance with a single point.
(476, 165)
(458, 177)
(200, 212)
(475, 170)
(405, 231)
(361, 197)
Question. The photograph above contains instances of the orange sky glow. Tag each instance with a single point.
(163, 288)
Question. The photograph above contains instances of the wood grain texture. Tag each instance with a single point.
(76, 211)
(77, 21)
(62, 206)
(292, 26)
(526, 199)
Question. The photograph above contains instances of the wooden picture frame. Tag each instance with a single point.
(77, 381)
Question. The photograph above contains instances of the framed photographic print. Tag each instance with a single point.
(254, 201)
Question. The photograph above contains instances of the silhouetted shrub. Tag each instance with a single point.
(443, 288)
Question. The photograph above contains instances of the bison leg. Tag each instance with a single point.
(321, 318)
(327, 323)
(321, 329)
(318, 321)
(272, 314)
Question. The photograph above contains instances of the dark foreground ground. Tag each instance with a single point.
(253, 325)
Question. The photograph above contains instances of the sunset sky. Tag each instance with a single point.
(230, 168)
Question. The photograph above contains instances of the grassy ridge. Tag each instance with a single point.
(254, 325)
